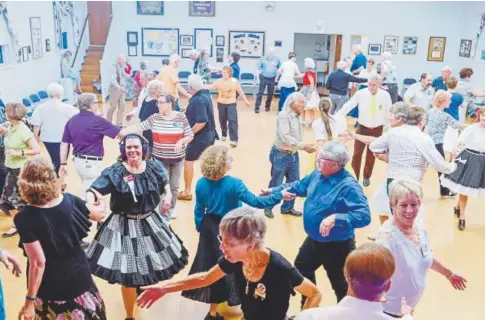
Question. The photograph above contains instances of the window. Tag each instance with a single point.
(2, 59)
(64, 40)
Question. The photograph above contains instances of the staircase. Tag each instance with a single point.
(90, 69)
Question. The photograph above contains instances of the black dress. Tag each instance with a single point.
(147, 109)
(269, 297)
(135, 246)
(67, 287)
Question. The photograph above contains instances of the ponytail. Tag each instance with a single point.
(324, 107)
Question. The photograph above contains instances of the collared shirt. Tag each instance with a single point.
(269, 66)
(85, 131)
(290, 131)
(373, 111)
(390, 71)
(456, 102)
(473, 138)
(420, 96)
(339, 194)
(200, 110)
(409, 152)
(349, 308)
(438, 122)
(465, 88)
(338, 82)
(52, 117)
(359, 61)
(439, 84)
(236, 70)
(170, 78)
(118, 77)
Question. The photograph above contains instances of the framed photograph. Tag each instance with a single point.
(249, 44)
(220, 41)
(202, 8)
(203, 40)
(132, 51)
(150, 8)
(219, 55)
(160, 42)
(374, 49)
(410, 45)
(278, 43)
(25, 54)
(36, 36)
(391, 44)
(132, 38)
(187, 40)
(436, 49)
(465, 48)
(48, 45)
(186, 52)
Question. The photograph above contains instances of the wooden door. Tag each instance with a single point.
(337, 50)
(100, 15)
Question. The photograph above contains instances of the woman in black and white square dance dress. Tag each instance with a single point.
(135, 246)
(468, 179)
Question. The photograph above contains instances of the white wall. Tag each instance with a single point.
(454, 20)
(19, 80)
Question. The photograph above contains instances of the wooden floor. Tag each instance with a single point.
(462, 251)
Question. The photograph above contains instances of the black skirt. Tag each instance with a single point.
(468, 179)
(207, 256)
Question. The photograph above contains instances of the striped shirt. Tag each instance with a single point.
(166, 133)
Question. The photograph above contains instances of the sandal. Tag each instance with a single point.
(10, 233)
(184, 196)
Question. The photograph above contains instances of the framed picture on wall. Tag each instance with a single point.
(202, 8)
(203, 40)
(391, 44)
(410, 45)
(374, 49)
(220, 41)
(36, 36)
(465, 48)
(132, 51)
(186, 52)
(187, 40)
(150, 8)
(48, 45)
(436, 49)
(219, 55)
(160, 42)
(25, 54)
(132, 38)
(249, 44)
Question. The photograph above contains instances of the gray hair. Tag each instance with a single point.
(416, 115)
(387, 55)
(174, 58)
(154, 86)
(194, 52)
(195, 82)
(339, 152)
(400, 111)
(446, 68)
(402, 187)
(341, 65)
(86, 100)
(309, 63)
(375, 77)
(55, 90)
(357, 47)
(244, 224)
(289, 102)
(143, 64)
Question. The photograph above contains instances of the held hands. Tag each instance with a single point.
(326, 225)
(346, 135)
(129, 116)
(166, 203)
(309, 148)
(27, 312)
(10, 261)
(458, 282)
(287, 196)
(266, 192)
(95, 202)
(149, 295)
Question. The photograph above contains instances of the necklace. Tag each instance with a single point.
(249, 273)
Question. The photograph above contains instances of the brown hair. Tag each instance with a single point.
(15, 111)
(229, 70)
(38, 181)
(415, 115)
(372, 61)
(324, 107)
(465, 73)
(451, 83)
(368, 271)
(214, 162)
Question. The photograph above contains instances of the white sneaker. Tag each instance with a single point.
(223, 138)
(233, 144)
(172, 213)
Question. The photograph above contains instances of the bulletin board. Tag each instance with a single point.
(36, 35)
(160, 42)
(203, 40)
(249, 44)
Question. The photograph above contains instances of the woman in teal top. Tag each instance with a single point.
(216, 195)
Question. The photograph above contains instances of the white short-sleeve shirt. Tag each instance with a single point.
(52, 117)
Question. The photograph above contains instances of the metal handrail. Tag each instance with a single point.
(80, 39)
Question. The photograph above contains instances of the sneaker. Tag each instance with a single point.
(292, 212)
(223, 138)
(210, 317)
(257, 110)
(172, 213)
(268, 213)
(233, 144)
(366, 182)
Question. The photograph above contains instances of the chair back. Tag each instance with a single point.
(42, 94)
(34, 98)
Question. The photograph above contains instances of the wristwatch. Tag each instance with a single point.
(23, 154)
(64, 164)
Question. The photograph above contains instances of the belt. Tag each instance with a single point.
(284, 151)
(475, 152)
(88, 157)
(136, 216)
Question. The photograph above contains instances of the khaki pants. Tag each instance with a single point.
(88, 171)
(117, 101)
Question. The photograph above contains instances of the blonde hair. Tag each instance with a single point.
(324, 107)
(440, 97)
(244, 224)
(229, 70)
(15, 111)
(214, 162)
(403, 187)
(38, 181)
(154, 86)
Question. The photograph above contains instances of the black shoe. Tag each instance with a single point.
(257, 110)
(366, 182)
(10, 233)
(84, 244)
(268, 213)
(210, 317)
(462, 224)
(267, 109)
(292, 212)
(129, 318)
(457, 212)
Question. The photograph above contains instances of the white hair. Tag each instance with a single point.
(375, 77)
(194, 52)
(402, 187)
(174, 58)
(289, 102)
(341, 65)
(55, 90)
(309, 63)
(338, 151)
(195, 82)
(357, 47)
(387, 55)
(271, 50)
(446, 68)
(154, 86)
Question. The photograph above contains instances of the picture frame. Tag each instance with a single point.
(219, 55)
(187, 40)
(220, 41)
(150, 8)
(203, 40)
(410, 45)
(132, 38)
(36, 37)
(160, 42)
(278, 43)
(374, 49)
(202, 8)
(249, 44)
(48, 45)
(465, 48)
(132, 51)
(436, 49)
(186, 52)
(390, 44)
(25, 54)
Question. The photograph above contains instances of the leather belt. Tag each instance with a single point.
(284, 151)
(88, 157)
(136, 216)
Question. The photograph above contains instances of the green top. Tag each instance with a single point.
(16, 138)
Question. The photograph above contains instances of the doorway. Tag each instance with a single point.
(100, 15)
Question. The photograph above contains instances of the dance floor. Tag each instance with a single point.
(461, 251)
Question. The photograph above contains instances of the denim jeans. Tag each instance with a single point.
(284, 93)
(286, 165)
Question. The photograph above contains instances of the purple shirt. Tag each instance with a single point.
(85, 131)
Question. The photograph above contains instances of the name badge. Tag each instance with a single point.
(260, 292)
(177, 124)
(425, 250)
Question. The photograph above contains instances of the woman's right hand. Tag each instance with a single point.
(149, 295)
(9, 260)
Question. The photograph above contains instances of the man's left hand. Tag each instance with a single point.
(326, 225)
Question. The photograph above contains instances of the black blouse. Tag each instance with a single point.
(125, 187)
(59, 230)
(269, 297)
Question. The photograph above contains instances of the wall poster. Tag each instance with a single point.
(36, 35)
(160, 42)
(203, 40)
(249, 44)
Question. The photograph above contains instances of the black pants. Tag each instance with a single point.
(332, 256)
(3, 169)
(228, 117)
(269, 83)
(443, 190)
(393, 91)
(54, 150)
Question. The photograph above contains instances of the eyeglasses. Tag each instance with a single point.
(225, 245)
(329, 160)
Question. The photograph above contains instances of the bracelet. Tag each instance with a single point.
(451, 275)
(29, 298)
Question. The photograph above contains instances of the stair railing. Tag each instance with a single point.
(80, 39)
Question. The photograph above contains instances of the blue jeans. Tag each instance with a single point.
(286, 165)
(284, 93)
(177, 107)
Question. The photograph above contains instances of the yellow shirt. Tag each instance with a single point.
(227, 90)
(170, 77)
(17, 138)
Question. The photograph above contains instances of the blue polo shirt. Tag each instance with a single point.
(456, 100)
(269, 66)
(339, 194)
(439, 84)
(359, 61)
(236, 70)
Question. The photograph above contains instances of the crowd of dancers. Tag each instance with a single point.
(136, 248)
